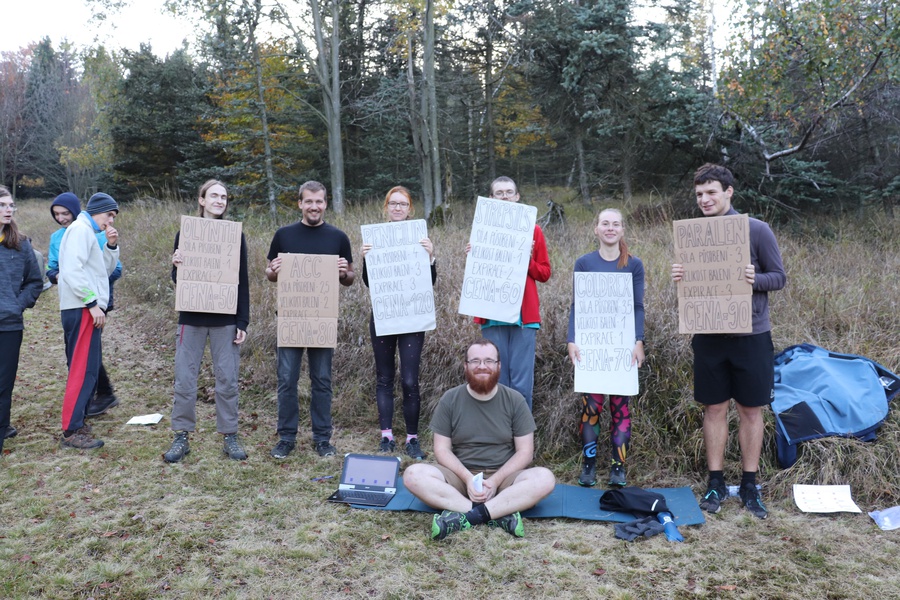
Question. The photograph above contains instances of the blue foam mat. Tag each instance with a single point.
(573, 502)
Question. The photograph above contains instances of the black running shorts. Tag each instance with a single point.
(734, 366)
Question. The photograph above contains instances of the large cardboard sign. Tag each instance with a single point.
(497, 265)
(207, 279)
(307, 301)
(399, 277)
(604, 333)
(713, 296)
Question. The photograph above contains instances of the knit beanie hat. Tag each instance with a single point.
(101, 203)
(69, 201)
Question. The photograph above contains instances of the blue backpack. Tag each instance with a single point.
(819, 393)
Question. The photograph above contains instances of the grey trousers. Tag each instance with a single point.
(226, 356)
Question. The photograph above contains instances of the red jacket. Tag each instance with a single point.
(538, 270)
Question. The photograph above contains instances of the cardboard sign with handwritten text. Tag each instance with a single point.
(497, 265)
(207, 279)
(604, 333)
(399, 277)
(713, 295)
(307, 301)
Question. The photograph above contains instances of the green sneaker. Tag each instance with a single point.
(447, 522)
(511, 524)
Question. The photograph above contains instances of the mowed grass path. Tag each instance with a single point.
(121, 523)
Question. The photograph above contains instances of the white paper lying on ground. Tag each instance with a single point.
(145, 419)
(824, 498)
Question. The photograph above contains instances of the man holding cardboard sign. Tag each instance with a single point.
(735, 365)
(311, 235)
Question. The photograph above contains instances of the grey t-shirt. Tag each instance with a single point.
(482, 432)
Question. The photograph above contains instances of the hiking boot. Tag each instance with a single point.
(324, 448)
(714, 496)
(101, 404)
(751, 500)
(447, 522)
(511, 524)
(413, 450)
(617, 474)
(588, 475)
(179, 449)
(11, 432)
(81, 439)
(387, 445)
(282, 449)
(232, 448)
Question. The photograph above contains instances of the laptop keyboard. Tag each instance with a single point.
(364, 496)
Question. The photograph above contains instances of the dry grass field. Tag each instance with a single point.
(121, 523)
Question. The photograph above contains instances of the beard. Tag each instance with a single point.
(480, 384)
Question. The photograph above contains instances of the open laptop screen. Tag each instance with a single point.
(370, 470)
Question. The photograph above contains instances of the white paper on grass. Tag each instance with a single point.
(604, 333)
(399, 276)
(824, 498)
(145, 419)
(497, 264)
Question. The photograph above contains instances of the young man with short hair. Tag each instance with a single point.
(310, 235)
(738, 366)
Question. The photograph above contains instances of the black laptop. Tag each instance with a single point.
(367, 480)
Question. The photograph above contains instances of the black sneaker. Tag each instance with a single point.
(617, 474)
(282, 449)
(447, 522)
(511, 524)
(714, 497)
(11, 432)
(588, 475)
(101, 404)
(232, 448)
(180, 448)
(387, 445)
(413, 450)
(751, 500)
(324, 448)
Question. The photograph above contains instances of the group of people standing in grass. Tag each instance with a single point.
(737, 366)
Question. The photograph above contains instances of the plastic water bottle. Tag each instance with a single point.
(672, 533)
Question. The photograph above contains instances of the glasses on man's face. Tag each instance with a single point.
(8, 206)
(398, 205)
(504, 193)
(477, 362)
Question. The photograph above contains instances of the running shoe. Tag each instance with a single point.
(715, 495)
(511, 524)
(448, 522)
(750, 499)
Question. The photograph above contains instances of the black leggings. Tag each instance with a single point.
(385, 347)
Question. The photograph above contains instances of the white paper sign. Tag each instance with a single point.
(824, 498)
(399, 276)
(497, 265)
(604, 333)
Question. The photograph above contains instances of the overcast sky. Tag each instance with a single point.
(26, 21)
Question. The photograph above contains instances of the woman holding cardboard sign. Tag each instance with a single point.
(398, 206)
(612, 257)
(225, 331)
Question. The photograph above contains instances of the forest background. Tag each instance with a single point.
(581, 103)
(600, 98)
